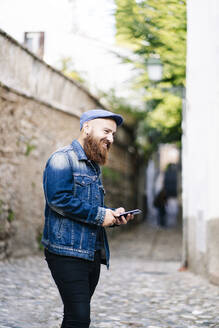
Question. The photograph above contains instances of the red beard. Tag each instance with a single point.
(96, 150)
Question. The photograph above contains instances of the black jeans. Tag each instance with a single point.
(76, 280)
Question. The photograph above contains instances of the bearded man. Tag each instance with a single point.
(74, 236)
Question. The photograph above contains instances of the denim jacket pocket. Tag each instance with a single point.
(83, 186)
(60, 228)
(65, 233)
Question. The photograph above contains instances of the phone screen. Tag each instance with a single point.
(134, 212)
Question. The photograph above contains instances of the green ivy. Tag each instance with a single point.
(111, 174)
(29, 149)
(1, 203)
(39, 237)
(11, 215)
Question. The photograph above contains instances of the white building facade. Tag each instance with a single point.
(201, 141)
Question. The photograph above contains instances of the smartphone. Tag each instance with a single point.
(133, 212)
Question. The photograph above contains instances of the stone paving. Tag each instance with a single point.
(143, 288)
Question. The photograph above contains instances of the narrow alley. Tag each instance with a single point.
(143, 288)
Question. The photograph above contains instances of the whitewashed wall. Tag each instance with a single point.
(201, 139)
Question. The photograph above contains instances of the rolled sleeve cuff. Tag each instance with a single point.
(100, 215)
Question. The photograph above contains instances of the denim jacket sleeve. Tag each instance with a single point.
(58, 184)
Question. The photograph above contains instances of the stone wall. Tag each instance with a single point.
(39, 112)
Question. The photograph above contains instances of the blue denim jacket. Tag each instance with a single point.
(74, 208)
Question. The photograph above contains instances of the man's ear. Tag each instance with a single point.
(86, 128)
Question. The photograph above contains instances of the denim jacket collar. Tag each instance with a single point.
(79, 150)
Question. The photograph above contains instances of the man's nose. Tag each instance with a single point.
(110, 138)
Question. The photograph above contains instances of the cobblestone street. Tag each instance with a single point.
(143, 288)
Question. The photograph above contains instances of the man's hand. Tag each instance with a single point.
(109, 219)
(122, 219)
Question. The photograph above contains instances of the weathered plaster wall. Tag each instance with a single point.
(39, 112)
(27, 74)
